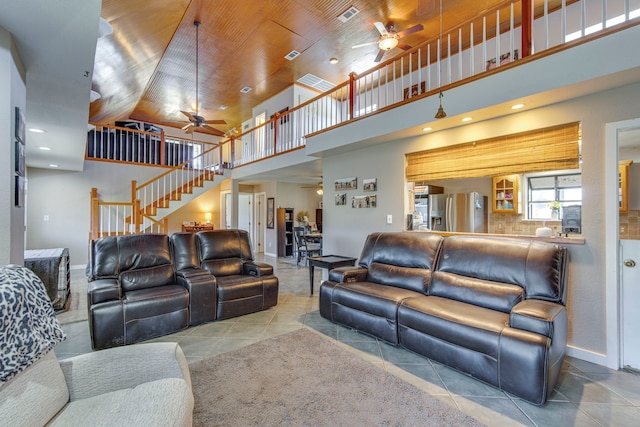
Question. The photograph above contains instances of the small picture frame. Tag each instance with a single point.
(370, 184)
(341, 199)
(19, 196)
(346, 184)
(414, 90)
(20, 158)
(20, 126)
(270, 212)
(359, 202)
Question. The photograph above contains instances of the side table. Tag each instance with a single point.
(328, 262)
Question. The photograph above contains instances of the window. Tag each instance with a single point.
(543, 190)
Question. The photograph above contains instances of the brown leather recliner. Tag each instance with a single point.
(243, 285)
(134, 293)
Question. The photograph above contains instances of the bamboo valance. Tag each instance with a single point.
(552, 148)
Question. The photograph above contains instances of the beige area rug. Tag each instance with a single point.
(302, 379)
(77, 311)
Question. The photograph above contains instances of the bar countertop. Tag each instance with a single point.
(578, 240)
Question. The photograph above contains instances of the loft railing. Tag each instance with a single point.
(505, 34)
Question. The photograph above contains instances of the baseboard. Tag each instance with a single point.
(77, 267)
(588, 356)
(270, 254)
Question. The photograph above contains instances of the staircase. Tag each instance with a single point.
(153, 201)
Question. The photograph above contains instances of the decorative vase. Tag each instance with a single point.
(554, 215)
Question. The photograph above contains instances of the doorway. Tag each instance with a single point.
(245, 213)
(622, 348)
(259, 220)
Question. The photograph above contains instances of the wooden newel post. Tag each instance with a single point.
(95, 214)
(276, 120)
(527, 23)
(352, 93)
(233, 151)
(136, 215)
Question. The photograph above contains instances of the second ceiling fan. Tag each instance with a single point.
(390, 38)
(196, 121)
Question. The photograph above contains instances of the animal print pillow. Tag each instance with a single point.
(29, 328)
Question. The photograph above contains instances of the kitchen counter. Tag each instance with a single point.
(578, 240)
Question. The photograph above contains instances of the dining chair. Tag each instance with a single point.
(305, 248)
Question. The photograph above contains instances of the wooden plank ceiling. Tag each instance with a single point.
(146, 69)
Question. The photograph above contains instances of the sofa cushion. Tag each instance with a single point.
(537, 267)
(484, 293)
(413, 250)
(185, 252)
(103, 258)
(413, 279)
(465, 325)
(237, 287)
(149, 277)
(223, 267)
(157, 403)
(138, 251)
(34, 396)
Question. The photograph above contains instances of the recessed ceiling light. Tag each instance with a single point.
(517, 106)
(427, 129)
(223, 107)
(36, 130)
(45, 148)
(467, 119)
(53, 165)
(245, 89)
(333, 61)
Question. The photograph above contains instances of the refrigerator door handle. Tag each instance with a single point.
(448, 214)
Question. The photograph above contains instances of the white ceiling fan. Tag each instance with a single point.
(196, 121)
(390, 38)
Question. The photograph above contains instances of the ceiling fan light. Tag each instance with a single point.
(388, 42)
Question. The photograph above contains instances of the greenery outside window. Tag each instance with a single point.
(544, 190)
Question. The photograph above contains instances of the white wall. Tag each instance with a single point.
(12, 94)
(347, 228)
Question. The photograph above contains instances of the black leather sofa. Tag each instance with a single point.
(492, 308)
(143, 286)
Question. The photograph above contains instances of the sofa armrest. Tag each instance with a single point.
(105, 371)
(253, 268)
(203, 295)
(187, 273)
(537, 316)
(102, 290)
(348, 274)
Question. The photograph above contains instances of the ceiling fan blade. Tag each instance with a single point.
(211, 131)
(189, 115)
(382, 29)
(379, 56)
(187, 126)
(363, 45)
(214, 122)
(190, 129)
(403, 46)
(411, 30)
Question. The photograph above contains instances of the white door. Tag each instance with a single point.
(245, 215)
(630, 296)
(259, 219)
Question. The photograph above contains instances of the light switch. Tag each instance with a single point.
(389, 219)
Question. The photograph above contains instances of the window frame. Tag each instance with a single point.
(557, 192)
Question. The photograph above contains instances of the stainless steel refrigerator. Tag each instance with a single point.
(461, 212)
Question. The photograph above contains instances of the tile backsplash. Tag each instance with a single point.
(514, 224)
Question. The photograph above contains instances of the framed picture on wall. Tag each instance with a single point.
(370, 184)
(270, 214)
(19, 202)
(20, 161)
(20, 126)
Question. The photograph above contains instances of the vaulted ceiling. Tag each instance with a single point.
(146, 69)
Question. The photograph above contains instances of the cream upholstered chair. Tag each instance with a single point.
(143, 384)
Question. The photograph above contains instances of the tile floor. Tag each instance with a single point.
(586, 394)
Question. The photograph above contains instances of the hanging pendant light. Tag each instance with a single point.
(440, 114)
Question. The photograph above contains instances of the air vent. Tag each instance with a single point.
(348, 14)
(316, 82)
(245, 89)
(291, 55)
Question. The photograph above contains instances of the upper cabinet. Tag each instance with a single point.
(504, 194)
(623, 185)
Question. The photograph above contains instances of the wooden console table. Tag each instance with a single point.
(196, 228)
